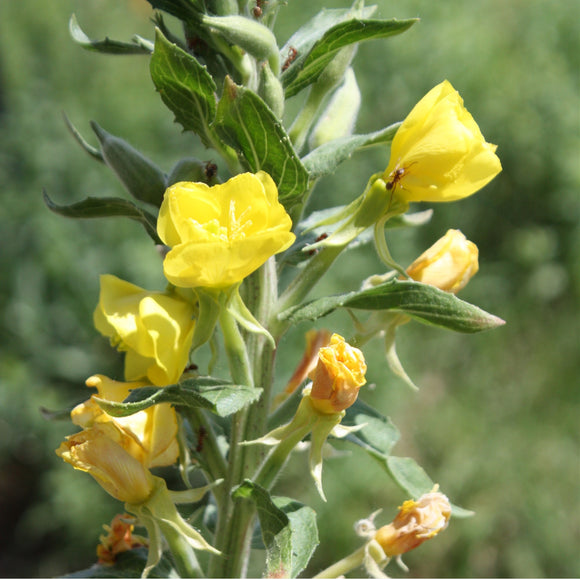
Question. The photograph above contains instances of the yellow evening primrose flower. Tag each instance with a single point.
(154, 429)
(154, 328)
(219, 235)
(416, 522)
(338, 376)
(112, 457)
(448, 264)
(438, 152)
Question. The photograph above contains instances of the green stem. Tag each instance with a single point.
(183, 554)
(213, 460)
(229, 539)
(303, 122)
(303, 283)
(343, 566)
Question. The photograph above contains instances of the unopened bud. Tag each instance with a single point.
(448, 264)
(340, 115)
(271, 90)
(140, 176)
(251, 36)
(339, 375)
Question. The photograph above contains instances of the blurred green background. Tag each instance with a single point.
(496, 419)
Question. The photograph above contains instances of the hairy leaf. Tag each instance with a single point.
(185, 86)
(307, 69)
(219, 397)
(248, 125)
(107, 46)
(101, 207)
(288, 529)
(422, 302)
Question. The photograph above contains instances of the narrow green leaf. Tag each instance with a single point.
(422, 302)
(182, 9)
(185, 86)
(101, 207)
(326, 158)
(379, 434)
(247, 124)
(219, 397)
(108, 46)
(307, 70)
(302, 41)
(288, 530)
(94, 152)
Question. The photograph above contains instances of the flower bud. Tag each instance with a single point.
(416, 522)
(448, 264)
(338, 376)
(271, 90)
(110, 456)
(340, 115)
(438, 152)
(251, 36)
(140, 176)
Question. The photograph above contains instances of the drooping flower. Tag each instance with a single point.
(112, 457)
(448, 264)
(416, 522)
(153, 429)
(154, 328)
(119, 539)
(338, 376)
(438, 152)
(219, 235)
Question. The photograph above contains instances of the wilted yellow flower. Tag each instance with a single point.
(439, 153)
(154, 328)
(155, 428)
(221, 234)
(416, 522)
(119, 539)
(338, 376)
(111, 457)
(448, 264)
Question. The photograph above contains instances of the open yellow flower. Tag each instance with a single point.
(416, 522)
(439, 153)
(111, 456)
(221, 234)
(154, 328)
(338, 376)
(448, 264)
(154, 430)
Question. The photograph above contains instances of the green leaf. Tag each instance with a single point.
(421, 302)
(185, 86)
(128, 564)
(379, 434)
(307, 70)
(412, 479)
(301, 42)
(183, 9)
(100, 207)
(326, 158)
(137, 46)
(288, 529)
(219, 397)
(94, 152)
(248, 125)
